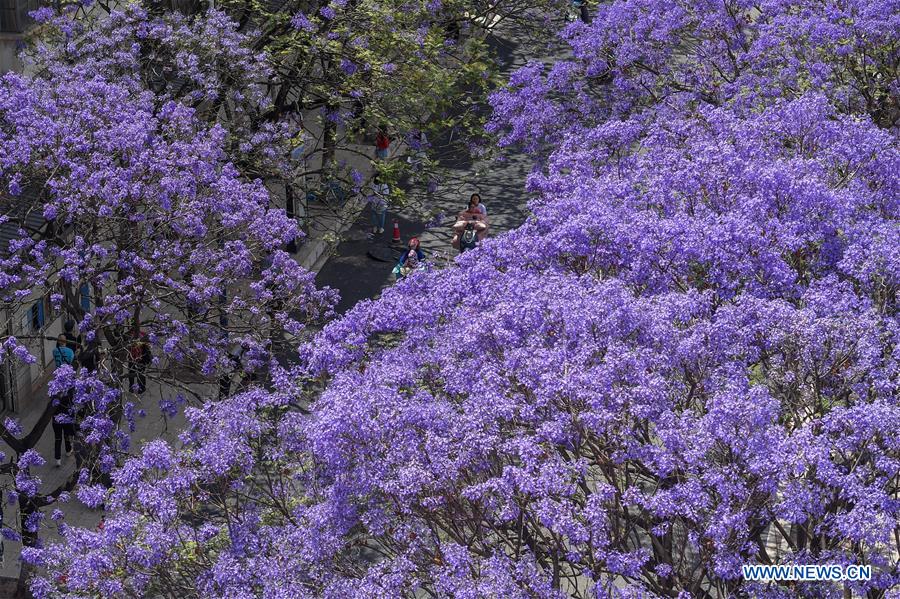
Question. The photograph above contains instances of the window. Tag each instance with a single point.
(85, 293)
(9, 21)
(14, 14)
(37, 315)
(6, 399)
(49, 311)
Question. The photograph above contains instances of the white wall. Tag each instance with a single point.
(9, 60)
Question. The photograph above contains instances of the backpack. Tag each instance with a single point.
(469, 239)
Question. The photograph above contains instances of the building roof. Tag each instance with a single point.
(25, 207)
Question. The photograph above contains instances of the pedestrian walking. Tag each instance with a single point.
(359, 113)
(73, 341)
(417, 144)
(378, 203)
(63, 426)
(90, 356)
(382, 145)
(138, 358)
(62, 354)
(234, 359)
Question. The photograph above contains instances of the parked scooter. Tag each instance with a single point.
(470, 229)
(469, 238)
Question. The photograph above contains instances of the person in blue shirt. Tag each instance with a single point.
(62, 353)
(410, 259)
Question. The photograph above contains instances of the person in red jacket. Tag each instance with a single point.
(139, 357)
(382, 145)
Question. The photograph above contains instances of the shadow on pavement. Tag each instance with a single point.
(352, 262)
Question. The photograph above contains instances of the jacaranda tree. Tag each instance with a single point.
(638, 54)
(331, 73)
(340, 70)
(419, 71)
(147, 214)
(137, 136)
(686, 360)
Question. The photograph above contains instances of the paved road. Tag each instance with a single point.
(357, 276)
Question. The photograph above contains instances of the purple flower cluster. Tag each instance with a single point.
(152, 213)
(642, 53)
(673, 361)
(685, 360)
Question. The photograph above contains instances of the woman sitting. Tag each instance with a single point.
(410, 259)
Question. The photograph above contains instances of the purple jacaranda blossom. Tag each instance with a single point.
(42, 14)
(31, 458)
(694, 290)
(10, 534)
(155, 212)
(301, 21)
(91, 496)
(684, 358)
(12, 426)
(741, 56)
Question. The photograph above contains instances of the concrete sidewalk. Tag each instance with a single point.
(326, 226)
(327, 220)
